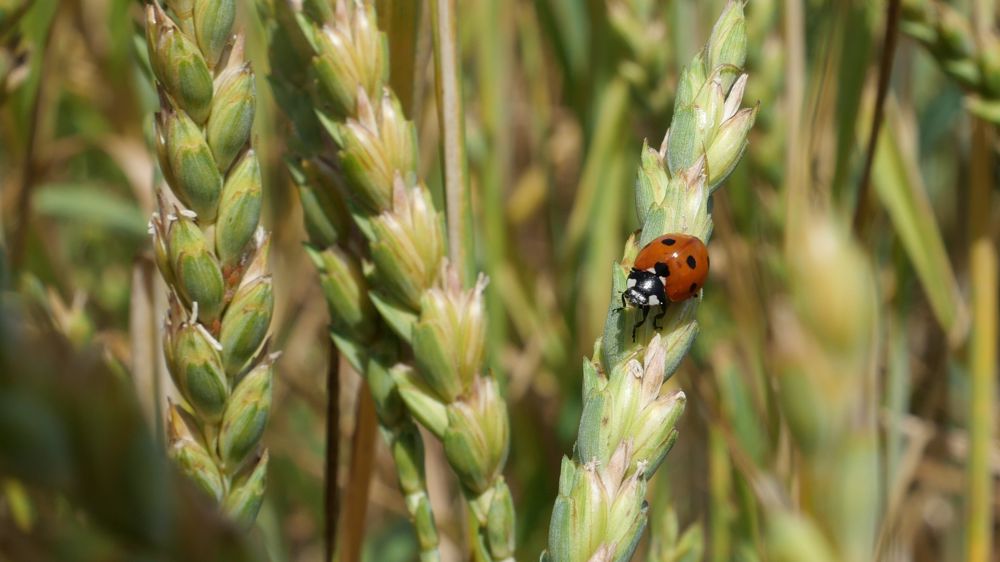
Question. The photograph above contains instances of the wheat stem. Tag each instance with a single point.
(862, 211)
(331, 493)
(982, 350)
(451, 120)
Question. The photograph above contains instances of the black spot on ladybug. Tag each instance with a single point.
(694, 287)
(662, 270)
(691, 262)
(669, 241)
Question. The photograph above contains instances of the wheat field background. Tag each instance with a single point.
(302, 280)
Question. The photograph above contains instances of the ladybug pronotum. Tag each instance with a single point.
(671, 268)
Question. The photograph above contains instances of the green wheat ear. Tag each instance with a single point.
(949, 36)
(629, 420)
(212, 252)
(344, 168)
(397, 292)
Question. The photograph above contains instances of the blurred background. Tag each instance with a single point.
(841, 393)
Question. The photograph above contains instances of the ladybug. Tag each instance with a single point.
(669, 269)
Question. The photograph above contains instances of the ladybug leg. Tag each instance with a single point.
(645, 313)
(658, 317)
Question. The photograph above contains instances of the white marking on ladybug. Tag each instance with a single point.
(654, 300)
(630, 283)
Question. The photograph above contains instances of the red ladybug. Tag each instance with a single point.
(671, 268)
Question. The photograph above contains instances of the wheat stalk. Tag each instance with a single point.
(628, 421)
(417, 295)
(212, 251)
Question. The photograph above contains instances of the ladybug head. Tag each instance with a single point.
(644, 288)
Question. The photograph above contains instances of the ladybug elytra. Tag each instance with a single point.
(671, 268)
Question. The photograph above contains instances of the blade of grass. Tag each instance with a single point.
(611, 117)
(900, 190)
(567, 27)
(493, 61)
(824, 93)
(854, 47)
(94, 204)
(601, 243)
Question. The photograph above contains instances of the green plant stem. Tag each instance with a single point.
(451, 120)
(982, 352)
(982, 349)
(901, 193)
(331, 497)
(862, 210)
(359, 477)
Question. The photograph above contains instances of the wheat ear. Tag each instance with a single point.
(416, 294)
(629, 420)
(212, 251)
(354, 46)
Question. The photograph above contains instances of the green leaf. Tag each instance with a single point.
(899, 187)
(90, 204)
